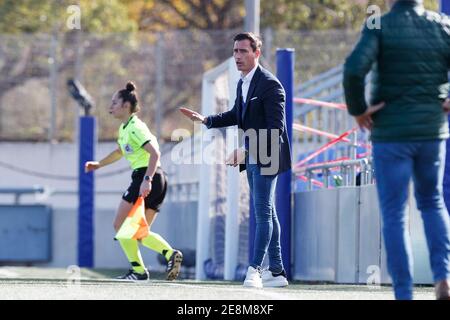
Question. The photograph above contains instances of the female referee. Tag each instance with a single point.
(139, 146)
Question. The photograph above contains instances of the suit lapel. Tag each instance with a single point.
(251, 89)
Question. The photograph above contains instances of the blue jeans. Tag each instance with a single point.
(267, 234)
(395, 164)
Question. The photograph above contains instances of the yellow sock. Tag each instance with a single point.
(157, 243)
(131, 249)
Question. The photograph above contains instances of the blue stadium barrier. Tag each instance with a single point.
(285, 73)
(25, 230)
(86, 193)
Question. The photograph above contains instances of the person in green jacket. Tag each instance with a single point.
(139, 146)
(409, 54)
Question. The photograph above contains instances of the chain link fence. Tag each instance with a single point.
(167, 68)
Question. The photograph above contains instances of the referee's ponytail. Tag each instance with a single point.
(129, 95)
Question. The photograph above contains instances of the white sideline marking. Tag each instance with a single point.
(5, 273)
(263, 292)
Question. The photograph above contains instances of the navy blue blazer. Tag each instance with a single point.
(264, 109)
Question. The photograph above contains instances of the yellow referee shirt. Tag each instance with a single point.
(133, 135)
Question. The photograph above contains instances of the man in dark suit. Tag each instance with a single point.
(259, 114)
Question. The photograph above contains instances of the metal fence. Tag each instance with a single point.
(167, 68)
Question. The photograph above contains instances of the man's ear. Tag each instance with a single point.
(258, 53)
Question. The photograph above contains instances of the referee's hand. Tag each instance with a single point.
(146, 188)
(91, 166)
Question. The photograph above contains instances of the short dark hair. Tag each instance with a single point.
(129, 95)
(255, 41)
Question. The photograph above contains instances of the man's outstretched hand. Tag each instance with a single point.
(191, 114)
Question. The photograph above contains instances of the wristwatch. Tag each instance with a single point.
(148, 178)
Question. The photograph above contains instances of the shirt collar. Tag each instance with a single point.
(249, 75)
(129, 119)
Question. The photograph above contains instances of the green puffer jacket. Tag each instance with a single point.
(410, 58)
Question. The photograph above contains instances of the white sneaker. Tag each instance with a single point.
(269, 280)
(253, 278)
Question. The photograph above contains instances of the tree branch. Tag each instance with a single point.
(181, 14)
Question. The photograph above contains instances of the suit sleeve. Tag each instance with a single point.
(274, 102)
(356, 67)
(224, 119)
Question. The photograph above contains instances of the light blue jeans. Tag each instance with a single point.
(395, 164)
(267, 234)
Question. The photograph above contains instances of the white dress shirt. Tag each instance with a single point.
(245, 86)
(246, 82)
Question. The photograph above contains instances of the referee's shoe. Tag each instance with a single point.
(174, 265)
(132, 275)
